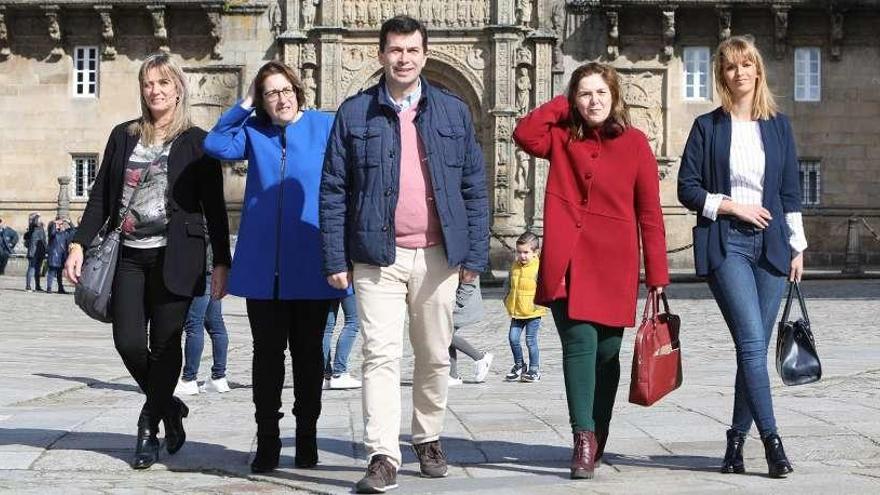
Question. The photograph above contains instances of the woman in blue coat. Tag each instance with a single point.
(277, 263)
(739, 173)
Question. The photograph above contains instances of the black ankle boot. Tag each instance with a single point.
(146, 451)
(306, 451)
(268, 452)
(733, 456)
(175, 435)
(777, 463)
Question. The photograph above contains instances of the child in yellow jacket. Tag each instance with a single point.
(524, 314)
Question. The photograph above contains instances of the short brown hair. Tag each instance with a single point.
(529, 238)
(269, 69)
(618, 119)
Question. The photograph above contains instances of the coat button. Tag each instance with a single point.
(388, 192)
(384, 228)
(595, 154)
(578, 225)
(584, 201)
(588, 175)
(391, 153)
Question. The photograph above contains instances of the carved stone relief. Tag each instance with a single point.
(160, 33)
(5, 52)
(369, 14)
(521, 177)
(724, 19)
(524, 12)
(613, 50)
(214, 19)
(780, 30)
(523, 91)
(213, 89)
(668, 32)
(643, 92)
(54, 29)
(108, 49)
(310, 87)
(836, 34)
(309, 9)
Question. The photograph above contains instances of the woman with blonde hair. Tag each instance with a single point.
(739, 173)
(159, 189)
(602, 199)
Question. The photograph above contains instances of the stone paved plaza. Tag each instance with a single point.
(68, 411)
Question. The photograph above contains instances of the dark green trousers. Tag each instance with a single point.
(591, 367)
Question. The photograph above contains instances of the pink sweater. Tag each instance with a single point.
(416, 222)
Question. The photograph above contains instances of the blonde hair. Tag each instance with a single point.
(736, 49)
(144, 127)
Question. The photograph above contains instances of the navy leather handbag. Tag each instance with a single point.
(797, 361)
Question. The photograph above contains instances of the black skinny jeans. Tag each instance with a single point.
(140, 297)
(275, 325)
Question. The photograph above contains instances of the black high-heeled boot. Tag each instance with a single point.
(268, 446)
(306, 450)
(733, 456)
(175, 435)
(146, 451)
(777, 462)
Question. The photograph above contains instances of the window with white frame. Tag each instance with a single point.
(85, 71)
(807, 74)
(84, 169)
(696, 73)
(810, 181)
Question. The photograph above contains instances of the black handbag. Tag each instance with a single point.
(94, 290)
(797, 361)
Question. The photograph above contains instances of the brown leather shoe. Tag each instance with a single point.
(601, 439)
(583, 456)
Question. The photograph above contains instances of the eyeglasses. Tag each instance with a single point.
(275, 94)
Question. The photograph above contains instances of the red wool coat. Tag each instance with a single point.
(600, 193)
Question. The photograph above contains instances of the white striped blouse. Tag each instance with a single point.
(747, 163)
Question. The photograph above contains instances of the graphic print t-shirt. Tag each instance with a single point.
(146, 223)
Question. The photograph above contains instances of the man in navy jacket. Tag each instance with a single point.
(404, 216)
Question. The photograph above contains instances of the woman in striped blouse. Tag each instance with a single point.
(739, 172)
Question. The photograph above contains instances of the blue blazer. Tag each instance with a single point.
(705, 168)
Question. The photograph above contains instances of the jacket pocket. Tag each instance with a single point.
(367, 144)
(452, 145)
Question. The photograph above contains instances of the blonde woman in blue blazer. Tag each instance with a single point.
(739, 173)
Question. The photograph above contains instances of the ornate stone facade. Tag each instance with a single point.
(502, 57)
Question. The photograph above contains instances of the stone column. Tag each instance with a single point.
(63, 196)
(544, 44)
(506, 222)
(330, 63)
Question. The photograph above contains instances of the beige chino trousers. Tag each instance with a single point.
(420, 284)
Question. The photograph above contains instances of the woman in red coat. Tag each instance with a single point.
(602, 190)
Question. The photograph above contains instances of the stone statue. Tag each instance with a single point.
(360, 12)
(523, 90)
(309, 86)
(521, 176)
(309, 9)
(524, 12)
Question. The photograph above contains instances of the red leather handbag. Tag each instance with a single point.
(656, 366)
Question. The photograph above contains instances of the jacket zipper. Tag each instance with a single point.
(283, 168)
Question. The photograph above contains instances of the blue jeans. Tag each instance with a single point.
(346, 338)
(531, 325)
(206, 313)
(748, 291)
(33, 273)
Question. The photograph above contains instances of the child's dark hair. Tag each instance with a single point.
(529, 238)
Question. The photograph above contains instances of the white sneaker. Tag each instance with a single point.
(482, 366)
(219, 385)
(186, 387)
(343, 381)
(453, 381)
(326, 385)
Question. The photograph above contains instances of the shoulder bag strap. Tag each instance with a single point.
(137, 188)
